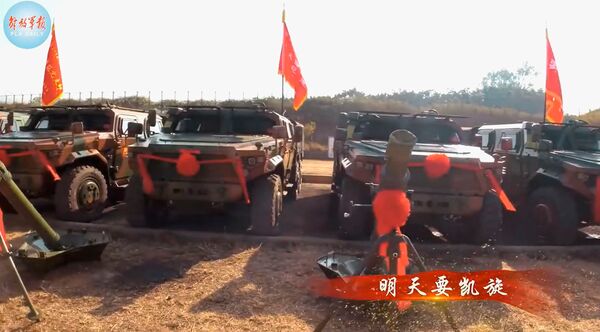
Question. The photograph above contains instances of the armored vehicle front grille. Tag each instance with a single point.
(456, 181)
(23, 164)
(164, 171)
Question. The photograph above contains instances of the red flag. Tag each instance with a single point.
(53, 87)
(554, 102)
(290, 69)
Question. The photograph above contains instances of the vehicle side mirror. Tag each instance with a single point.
(280, 132)
(341, 134)
(77, 128)
(342, 119)
(298, 133)
(536, 133)
(10, 118)
(506, 143)
(545, 145)
(478, 140)
(134, 129)
(151, 118)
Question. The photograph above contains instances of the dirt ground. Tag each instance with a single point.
(209, 287)
(142, 285)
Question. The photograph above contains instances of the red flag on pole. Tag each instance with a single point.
(290, 69)
(554, 104)
(53, 87)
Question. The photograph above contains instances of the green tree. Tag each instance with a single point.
(309, 130)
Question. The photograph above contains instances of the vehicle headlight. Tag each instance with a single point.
(365, 165)
(583, 177)
(254, 161)
(54, 153)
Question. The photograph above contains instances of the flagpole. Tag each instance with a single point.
(545, 88)
(282, 59)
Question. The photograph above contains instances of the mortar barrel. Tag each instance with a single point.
(16, 198)
(397, 156)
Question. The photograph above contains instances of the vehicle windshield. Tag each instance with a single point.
(61, 121)
(586, 139)
(429, 132)
(222, 122)
(581, 138)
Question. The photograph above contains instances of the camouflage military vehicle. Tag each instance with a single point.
(239, 155)
(461, 203)
(76, 155)
(16, 117)
(551, 175)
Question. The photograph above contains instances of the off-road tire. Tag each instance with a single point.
(357, 225)
(294, 192)
(563, 229)
(266, 205)
(479, 229)
(489, 222)
(66, 200)
(142, 211)
(135, 200)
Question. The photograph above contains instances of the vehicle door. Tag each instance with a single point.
(288, 148)
(512, 157)
(120, 160)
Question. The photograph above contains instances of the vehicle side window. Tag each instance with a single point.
(18, 125)
(157, 128)
(512, 136)
(519, 141)
(42, 124)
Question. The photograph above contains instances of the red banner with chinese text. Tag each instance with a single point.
(527, 290)
(290, 69)
(554, 102)
(53, 87)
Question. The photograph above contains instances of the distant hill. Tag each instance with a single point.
(592, 117)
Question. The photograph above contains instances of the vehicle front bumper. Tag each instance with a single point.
(33, 184)
(445, 204)
(435, 204)
(197, 191)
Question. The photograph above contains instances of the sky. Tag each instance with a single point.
(230, 48)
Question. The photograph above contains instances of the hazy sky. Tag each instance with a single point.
(232, 46)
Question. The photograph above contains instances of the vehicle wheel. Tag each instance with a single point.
(479, 229)
(81, 194)
(266, 205)
(135, 200)
(486, 227)
(116, 195)
(156, 212)
(552, 214)
(294, 192)
(333, 207)
(357, 224)
(142, 211)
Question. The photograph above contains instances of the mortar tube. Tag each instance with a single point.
(16, 198)
(395, 174)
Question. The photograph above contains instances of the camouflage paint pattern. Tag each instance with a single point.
(105, 150)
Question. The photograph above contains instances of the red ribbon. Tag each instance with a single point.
(188, 165)
(493, 182)
(6, 159)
